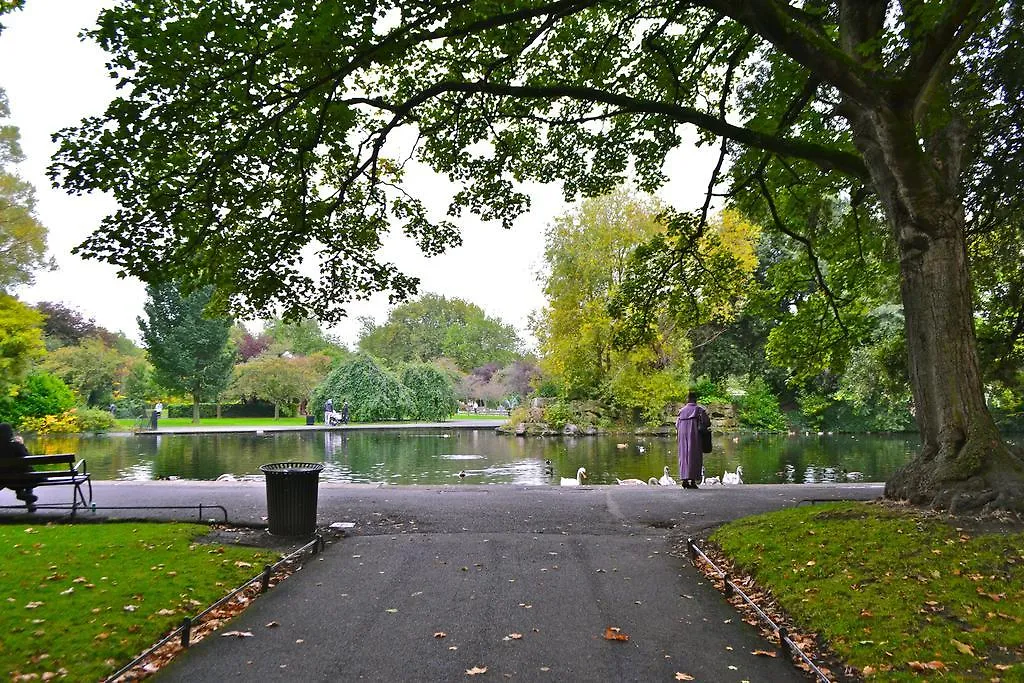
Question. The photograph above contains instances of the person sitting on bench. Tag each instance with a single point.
(12, 454)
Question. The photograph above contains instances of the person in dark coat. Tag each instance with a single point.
(12, 462)
(691, 456)
(344, 413)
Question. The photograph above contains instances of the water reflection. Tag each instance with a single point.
(437, 456)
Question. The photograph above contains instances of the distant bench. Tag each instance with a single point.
(71, 474)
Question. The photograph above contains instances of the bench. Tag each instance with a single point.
(72, 474)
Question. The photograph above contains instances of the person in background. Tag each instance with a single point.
(12, 462)
(158, 409)
(113, 409)
(344, 413)
(691, 457)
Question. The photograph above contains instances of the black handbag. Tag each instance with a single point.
(704, 434)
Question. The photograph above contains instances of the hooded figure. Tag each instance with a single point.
(691, 457)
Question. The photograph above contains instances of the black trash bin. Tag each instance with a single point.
(291, 497)
(310, 419)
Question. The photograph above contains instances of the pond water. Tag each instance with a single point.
(436, 456)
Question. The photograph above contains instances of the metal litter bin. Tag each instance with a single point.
(291, 497)
(310, 420)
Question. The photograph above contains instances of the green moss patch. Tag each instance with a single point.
(81, 601)
(895, 593)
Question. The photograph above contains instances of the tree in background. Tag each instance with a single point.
(21, 341)
(434, 327)
(92, 369)
(372, 392)
(22, 236)
(587, 256)
(433, 397)
(913, 108)
(64, 326)
(247, 345)
(302, 338)
(279, 380)
(189, 351)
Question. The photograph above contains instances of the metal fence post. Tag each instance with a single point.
(186, 631)
(265, 579)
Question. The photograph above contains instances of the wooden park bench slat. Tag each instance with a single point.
(71, 474)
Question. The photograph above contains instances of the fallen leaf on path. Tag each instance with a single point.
(476, 670)
(391, 610)
(765, 653)
(615, 633)
(440, 634)
(272, 624)
(515, 636)
(237, 634)
(680, 676)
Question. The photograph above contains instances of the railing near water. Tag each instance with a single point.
(780, 632)
(184, 631)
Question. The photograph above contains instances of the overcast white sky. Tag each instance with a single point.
(53, 80)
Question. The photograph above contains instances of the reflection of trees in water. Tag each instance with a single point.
(425, 457)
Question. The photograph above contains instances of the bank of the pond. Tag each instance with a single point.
(895, 591)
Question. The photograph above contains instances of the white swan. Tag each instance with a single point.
(665, 479)
(733, 477)
(637, 482)
(581, 474)
(708, 480)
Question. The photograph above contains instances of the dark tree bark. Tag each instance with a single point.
(963, 465)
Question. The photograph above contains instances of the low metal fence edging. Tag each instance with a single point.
(731, 587)
(185, 629)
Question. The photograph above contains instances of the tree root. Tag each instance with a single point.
(997, 485)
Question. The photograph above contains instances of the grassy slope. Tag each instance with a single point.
(88, 598)
(885, 587)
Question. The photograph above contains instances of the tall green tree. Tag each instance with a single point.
(433, 327)
(914, 108)
(21, 341)
(22, 236)
(92, 369)
(372, 392)
(189, 351)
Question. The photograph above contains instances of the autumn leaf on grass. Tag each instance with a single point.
(765, 653)
(963, 647)
(476, 670)
(680, 676)
(615, 633)
(926, 666)
(237, 634)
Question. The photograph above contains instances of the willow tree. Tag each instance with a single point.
(246, 132)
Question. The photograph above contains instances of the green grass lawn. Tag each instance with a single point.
(892, 592)
(83, 600)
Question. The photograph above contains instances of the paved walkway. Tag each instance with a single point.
(556, 566)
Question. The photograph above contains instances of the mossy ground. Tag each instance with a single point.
(892, 591)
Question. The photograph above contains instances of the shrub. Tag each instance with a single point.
(558, 414)
(372, 393)
(433, 397)
(759, 408)
(70, 422)
(40, 395)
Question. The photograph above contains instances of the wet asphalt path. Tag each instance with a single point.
(556, 566)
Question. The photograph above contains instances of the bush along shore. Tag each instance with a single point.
(550, 417)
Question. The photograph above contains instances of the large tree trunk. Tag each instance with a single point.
(963, 465)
